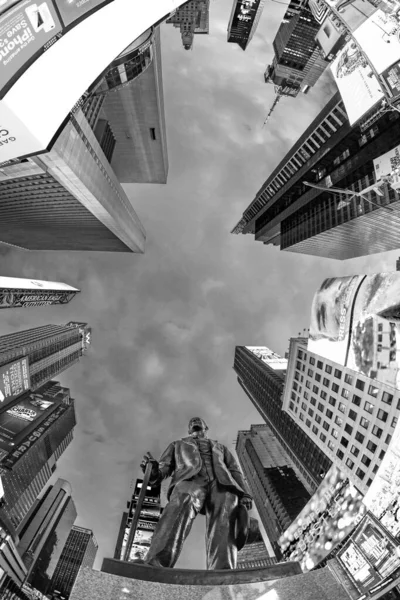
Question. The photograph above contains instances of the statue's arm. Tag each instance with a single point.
(236, 472)
(166, 465)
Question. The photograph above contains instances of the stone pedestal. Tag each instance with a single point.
(120, 580)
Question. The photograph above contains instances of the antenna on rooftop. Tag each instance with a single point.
(275, 102)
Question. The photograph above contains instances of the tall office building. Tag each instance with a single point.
(192, 19)
(254, 554)
(68, 198)
(278, 493)
(43, 352)
(17, 292)
(288, 213)
(79, 551)
(261, 374)
(350, 416)
(44, 533)
(129, 101)
(244, 21)
(298, 62)
(148, 519)
(30, 449)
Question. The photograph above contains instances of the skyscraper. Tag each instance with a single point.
(148, 519)
(254, 554)
(288, 213)
(16, 292)
(261, 374)
(30, 451)
(68, 198)
(192, 19)
(278, 493)
(44, 533)
(298, 62)
(129, 99)
(244, 21)
(47, 351)
(79, 551)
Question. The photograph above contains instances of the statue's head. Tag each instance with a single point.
(198, 427)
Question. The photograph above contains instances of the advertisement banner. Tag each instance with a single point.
(378, 38)
(18, 299)
(15, 138)
(244, 14)
(329, 516)
(358, 86)
(72, 10)
(34, 284)
(14, 380)
(24, 30)
(352, 14)
(355, 321)
(391, 76)
(387, 164)
(271, 358)
(22, 415)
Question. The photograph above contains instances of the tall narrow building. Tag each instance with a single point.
(289, 213)
(278, 493)
(30, 449)
(244, 21)
(148, 519)
(79, 551)
(192, 19)
(43, 352)
(261, 373)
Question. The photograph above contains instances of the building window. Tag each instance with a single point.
(329, 413)
(356, 400)
(315, 430)
(359, 437)
(340, 454)
(310, 372)
(342, 407)
(377, 431)
(360, 474)
(382, 455)
(375, 469)
(299, 354)
(352, 414)
(373, 391)
(335, 387)
(320, 364)
(369, 482)
(308, 423)
(308, 385)
(368, 407)
(312, 360)
(317, 377)
(335, 433)
(328, 369)
(349, 463)
(313, 400)
(360, 385)
(339, 421)
(331, 445)
(345, 393)
(382, 415)
(338, 373)
(388, 439)
(320, 406)
(291, 405)
(371, 446)
(304, 406)
(301, 417)
(344, 441)
(366, 460)
(348, 429)
(364, 423)
(326, 382)
(354, 450)
(315, 389)
(318, 419)
(387, 398)
(322, 437)
(311, 412)
(332, 400)
(348, 379)
(153, 133)
(323, 395)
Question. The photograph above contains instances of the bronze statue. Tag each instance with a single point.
(206, 479)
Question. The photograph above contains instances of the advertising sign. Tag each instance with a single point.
(329, 516)
(353, 13)
(271, 358)
(20, 416)
(14, 380)
(387, 164)
(24, 30)
(38, 293)
(391, 76)
(33, 284)
(355, 321)
(72, 10)
(244, 14)
(359, 88)
(377, 37)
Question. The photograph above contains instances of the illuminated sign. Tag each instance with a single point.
(14, 380)
(18, 417)
(72, 10)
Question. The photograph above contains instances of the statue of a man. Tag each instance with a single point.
(206, 479)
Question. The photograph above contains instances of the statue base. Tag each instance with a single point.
(130, 581)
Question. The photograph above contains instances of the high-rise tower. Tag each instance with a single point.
(46, 351)
(79, 551)
(243, 21)
(31, 447)
(192, 19)
(261, 374)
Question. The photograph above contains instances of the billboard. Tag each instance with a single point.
(355, 321)
(391, 76)
(353, 13)
(16, 419)
(72, 10)
(25, 29)
(387, 164)
(271, 358)
(14, 380)
(244, 14)
(329, 516)
(370, 555)
(33, 284)
(358, 86)
(378, 38)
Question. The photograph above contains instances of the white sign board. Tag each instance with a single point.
(387, 164)
(359, 88)
(377, 37)
(33, 284)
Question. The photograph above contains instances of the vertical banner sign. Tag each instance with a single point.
(72, 10)
(24, 30)
(14, 380)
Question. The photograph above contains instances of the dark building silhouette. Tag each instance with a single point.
(243, 21)
(288, 213)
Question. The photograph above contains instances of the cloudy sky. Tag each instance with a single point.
(165, 324)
